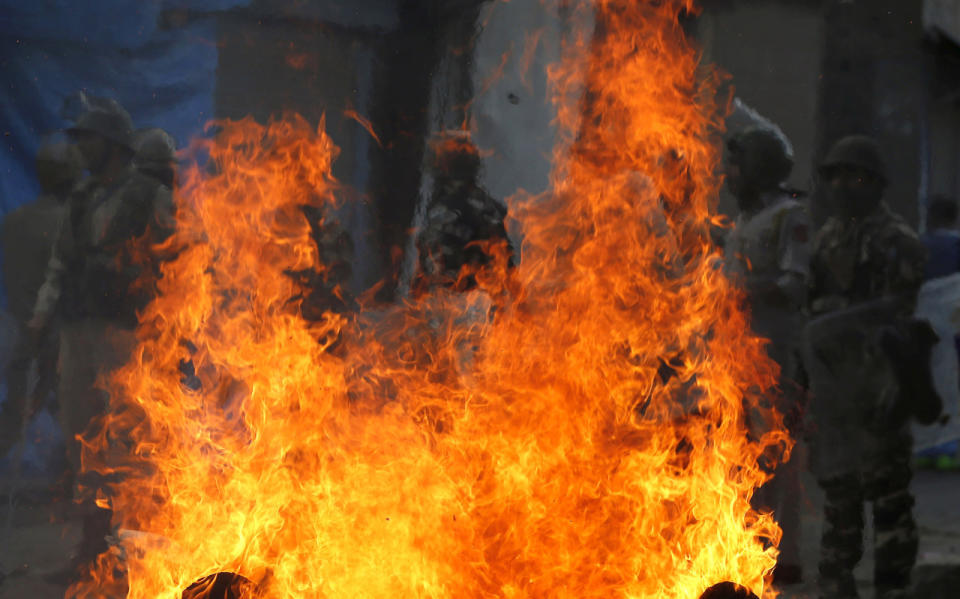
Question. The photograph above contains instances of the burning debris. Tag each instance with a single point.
(552, 463)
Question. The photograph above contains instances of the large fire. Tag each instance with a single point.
(576, 427)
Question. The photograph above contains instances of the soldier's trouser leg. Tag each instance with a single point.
(896, 541)
(88, 349)
(22, 402)
(781, 495)
(80, 400)
(12, 412)
(789, 492)
(841, 545)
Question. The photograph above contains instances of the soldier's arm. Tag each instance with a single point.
(163, 215)
(822, 297)
(794, 251)
(49, 293)
(787, 285)
(160, 224)
(905, 258)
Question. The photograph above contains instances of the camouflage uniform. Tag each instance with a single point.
(768, 252)
(461, 217)
(866, 272)
(89, 280)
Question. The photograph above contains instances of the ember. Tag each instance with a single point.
(446, 449)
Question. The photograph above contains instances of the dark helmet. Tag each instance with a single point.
(857, 151)
(155, 149)
(107, 119)
(763, 155)
(454, 155)
(58, 164)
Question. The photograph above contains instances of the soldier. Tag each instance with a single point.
(462, 239)
(461, 219)
(156, 155)
(866, 271)
(768, 251)
(28, 235)
(112, 218)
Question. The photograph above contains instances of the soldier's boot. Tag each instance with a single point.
(896, 537)
(841, 545)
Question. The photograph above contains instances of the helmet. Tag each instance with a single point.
(58, 164)
(109, 120)
(858, 151)
(155, 149)
(763, 155)
(455, 155)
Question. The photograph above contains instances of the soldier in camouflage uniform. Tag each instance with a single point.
(102, 247)
(461, 238)
(28, 235)
(866, 272)
(461, 219)
(768, 251)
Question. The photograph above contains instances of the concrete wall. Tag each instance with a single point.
(944, 128)
(512, 113)
(509, 112)
(772, 51)
(943, 17)
(943, 121)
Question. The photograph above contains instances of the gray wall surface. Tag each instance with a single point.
(510, 115)
(512, 111)
(772, 51)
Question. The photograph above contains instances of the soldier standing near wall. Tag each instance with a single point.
(866, 271)
(28, 236)
(464, 225)
(768, 251)
(462, 239)
(88, 284)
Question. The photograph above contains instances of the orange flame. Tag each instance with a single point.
(531, 40)
(363, 122)
(586, 438)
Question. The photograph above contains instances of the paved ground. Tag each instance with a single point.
(938, 517)
(42, 534)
